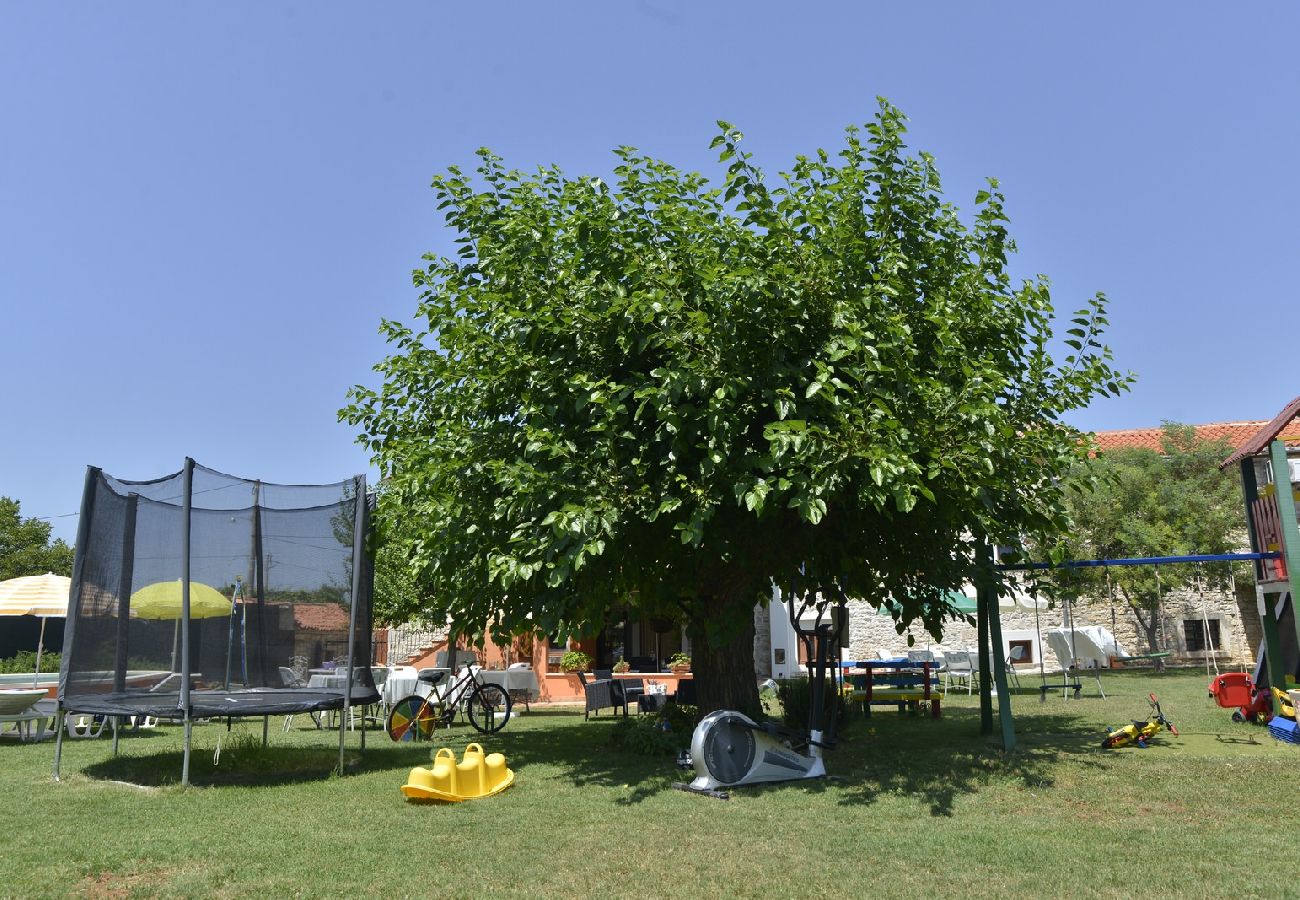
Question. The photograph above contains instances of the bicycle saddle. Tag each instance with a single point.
(429, 676)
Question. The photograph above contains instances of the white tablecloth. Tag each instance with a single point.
(402, 684)
(513, 680)
(1094, 645)
(329, 682)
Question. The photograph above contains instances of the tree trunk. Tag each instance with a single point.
(1151, 626)
(722, 660)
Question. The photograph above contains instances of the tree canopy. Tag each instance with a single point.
(1137, 502)
(25, 545)
(671, 393)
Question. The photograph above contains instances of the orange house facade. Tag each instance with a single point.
(644, 643)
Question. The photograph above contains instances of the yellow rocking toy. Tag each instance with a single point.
(476, 775)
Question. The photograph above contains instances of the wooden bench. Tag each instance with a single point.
(903, 698)
(1155, 659)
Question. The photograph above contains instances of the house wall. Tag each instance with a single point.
(871, 634)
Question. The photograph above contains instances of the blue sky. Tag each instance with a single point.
(205, 209)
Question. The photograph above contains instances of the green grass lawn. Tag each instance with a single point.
(921, 807)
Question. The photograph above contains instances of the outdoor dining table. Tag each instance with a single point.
(403, 684)
(333, 681)
(899, 674)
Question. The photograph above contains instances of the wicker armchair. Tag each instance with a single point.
(600, 693)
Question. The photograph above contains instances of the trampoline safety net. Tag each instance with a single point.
(276, 616)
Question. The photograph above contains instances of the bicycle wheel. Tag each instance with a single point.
(411, 719)
(488, 708)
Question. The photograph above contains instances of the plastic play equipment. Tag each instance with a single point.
(1269, 478)
(476, 775)
(1140, 732)
(193, 594)
(1236, 691)
(1098, 645)
(729, 749)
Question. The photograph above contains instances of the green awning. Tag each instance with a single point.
(960, 601)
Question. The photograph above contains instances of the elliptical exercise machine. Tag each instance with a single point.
(729, 749)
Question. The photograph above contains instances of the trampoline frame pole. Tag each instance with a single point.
(188, 490)
(58, 739)
(74, 605)
(358, 551)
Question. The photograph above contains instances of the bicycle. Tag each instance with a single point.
(415, 718)
(1140, 732)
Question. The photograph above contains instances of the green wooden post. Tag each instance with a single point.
(1290, 533)
(982, 634)
(1273, 648)
(984, 591)
(1249, 494)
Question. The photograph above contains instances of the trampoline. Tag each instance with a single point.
(204, 595)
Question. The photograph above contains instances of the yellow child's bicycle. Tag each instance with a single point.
(1140, 733)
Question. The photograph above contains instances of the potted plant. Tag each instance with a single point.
(679, 663)
(622, 666)
(575, 661)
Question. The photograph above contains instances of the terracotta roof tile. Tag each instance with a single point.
(320, 617)
(1234, 434)
(1283, 425)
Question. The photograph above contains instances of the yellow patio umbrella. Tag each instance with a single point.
(162, 600)
(36, 595)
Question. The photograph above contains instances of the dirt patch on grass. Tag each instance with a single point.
(124, 884)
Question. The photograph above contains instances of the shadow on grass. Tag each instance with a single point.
(935, 761)
(951, 758)
(267, 767)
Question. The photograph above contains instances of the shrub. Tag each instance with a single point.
(575, 661)
(25, 661)
(647, 737)
(680, 718)
(795, 697)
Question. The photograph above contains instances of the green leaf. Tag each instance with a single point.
(654, 385)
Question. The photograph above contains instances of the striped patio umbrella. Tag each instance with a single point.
(36, 595)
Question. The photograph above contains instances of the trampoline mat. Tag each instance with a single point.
(218, 704)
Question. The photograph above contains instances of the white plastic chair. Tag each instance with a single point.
(84, 726)
(960, 667)
(1017, 655)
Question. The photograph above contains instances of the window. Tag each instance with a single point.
(1195, 637)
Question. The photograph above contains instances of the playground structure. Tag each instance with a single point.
(202, 595)
(1268, 485)
(1275, 554)
(1268, 480)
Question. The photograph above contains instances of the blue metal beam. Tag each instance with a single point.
(1142, 561)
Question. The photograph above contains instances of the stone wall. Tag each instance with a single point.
(872, 634)
(407, 641)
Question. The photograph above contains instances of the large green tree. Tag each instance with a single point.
(671, 393)
(1137, 502)
(25, 545)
